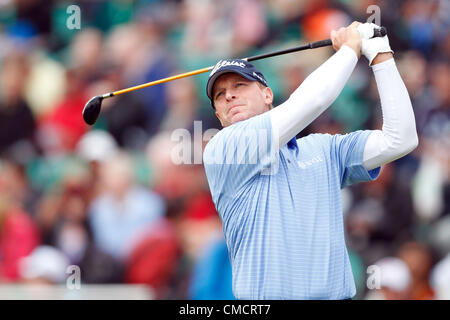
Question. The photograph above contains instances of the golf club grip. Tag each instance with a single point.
(381, 32)
(321, 43)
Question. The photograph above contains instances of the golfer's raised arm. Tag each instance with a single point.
(319, 90)
(398, 136)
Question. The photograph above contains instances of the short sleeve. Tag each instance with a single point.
(347, 152)
(236, 155)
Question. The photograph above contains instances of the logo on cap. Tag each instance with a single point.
(226, 63)
(260, 78)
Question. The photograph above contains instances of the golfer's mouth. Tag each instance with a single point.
(230, 111)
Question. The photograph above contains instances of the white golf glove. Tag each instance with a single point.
(371, 47)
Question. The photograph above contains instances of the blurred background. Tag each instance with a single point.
(110, 200)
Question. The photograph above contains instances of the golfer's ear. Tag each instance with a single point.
(268, 95)
(218, 117)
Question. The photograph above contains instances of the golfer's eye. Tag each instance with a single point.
(218, 95)
(239, 84)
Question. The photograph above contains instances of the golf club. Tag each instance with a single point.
(92, 108)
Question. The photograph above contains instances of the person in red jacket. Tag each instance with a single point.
(18, 237)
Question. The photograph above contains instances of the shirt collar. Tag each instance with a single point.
(292, 144)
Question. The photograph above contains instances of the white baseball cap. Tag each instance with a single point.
(44, 262)
(395, 274)
(97, 145)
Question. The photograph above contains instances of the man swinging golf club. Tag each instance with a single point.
(284, 228)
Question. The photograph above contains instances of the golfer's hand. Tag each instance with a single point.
(348, 36)
(376, 50)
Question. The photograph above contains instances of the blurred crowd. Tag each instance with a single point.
(109, 198)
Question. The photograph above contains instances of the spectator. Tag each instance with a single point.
(182, 105)
(64, 223)
(17, 122)
(440, 278)
(86, 52)
(16, 185)
(61, 128)
(419, 260)
(154, 259)
(395, 280)
(125, 116)
(211, 277)
(19, 235)
(96, 147)
(380, 217)
(123, 210)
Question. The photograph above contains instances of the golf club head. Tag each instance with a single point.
(92, 110)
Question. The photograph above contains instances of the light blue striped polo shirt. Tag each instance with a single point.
(284, 228)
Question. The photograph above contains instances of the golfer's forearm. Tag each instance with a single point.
(313, 96)
(398, 136)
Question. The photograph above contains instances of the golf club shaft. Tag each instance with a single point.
(148, 84)
(312, 45)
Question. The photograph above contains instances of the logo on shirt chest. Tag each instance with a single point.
(307, 163)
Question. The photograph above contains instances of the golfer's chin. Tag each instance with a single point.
(240, 116)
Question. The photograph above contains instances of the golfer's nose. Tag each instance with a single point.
(230, 94)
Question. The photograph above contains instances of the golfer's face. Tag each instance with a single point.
(237, 99)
